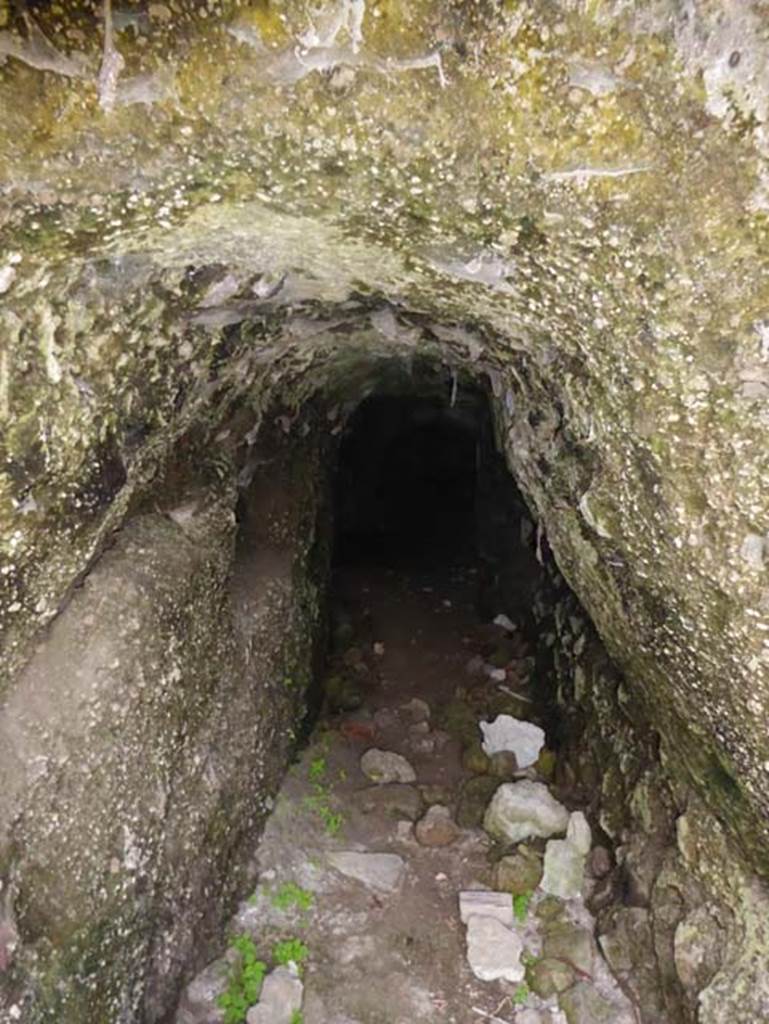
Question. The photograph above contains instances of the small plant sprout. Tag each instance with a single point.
(297, 1017)
(521, 994)
(319, 801)
(521, 905)
(332, 820)
(290, 895)
(291, 951)
(244, 983)
(318, 768)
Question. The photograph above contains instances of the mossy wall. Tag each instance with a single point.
(680, 920)
(144, 739)
(567, 199)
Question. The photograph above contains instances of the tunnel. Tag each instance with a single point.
(384, 530)
(378, 650)
(406, 481)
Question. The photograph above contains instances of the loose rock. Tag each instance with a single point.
(599, 862)
(583, 1004)
(474, 799)
(483, 903)
(417, 709)
(280, 1000)
(437, 827)
(524, 739)
(698, 948)
(435, 794)
(503, 764)
(475, 760)
(564, 871)
(520, 872)
(395, 799)
(548, 977)
(493, 951)
(198, 1003)
(383, 871)
(546, 763)
(404, 832)
(578, 833)
(386, 766)
(342, 693)
(567, 941)
(520, 810)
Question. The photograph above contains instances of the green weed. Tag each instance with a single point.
(521, 905)
(319, 801)
(291, 951)
(297, 1017)
(521, 994)
(290, 895)
(318, 768)
(332, 820)
(244, 984)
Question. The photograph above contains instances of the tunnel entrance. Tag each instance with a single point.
(420, 485)
(427, 517)
(436, 707)
(405, 485)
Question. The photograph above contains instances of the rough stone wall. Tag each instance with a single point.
(568, 198)
(681, 923)
(582, 184)
(141, 744)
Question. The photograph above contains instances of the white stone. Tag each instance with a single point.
(404, 832)
(483, 903)
(524, 739)
(418, 709)
(7, 275)
(280, 999)
(202, 992)
(503, 621)
(564, 871)
(753, 550)
(496, 675)
(493, 951)
(578, 833)
(521, 810)
(386, 766)
(383, 871)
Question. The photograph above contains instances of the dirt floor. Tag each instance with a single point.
(378, 951)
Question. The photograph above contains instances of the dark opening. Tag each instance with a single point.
(420, 485)
(405, 485)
